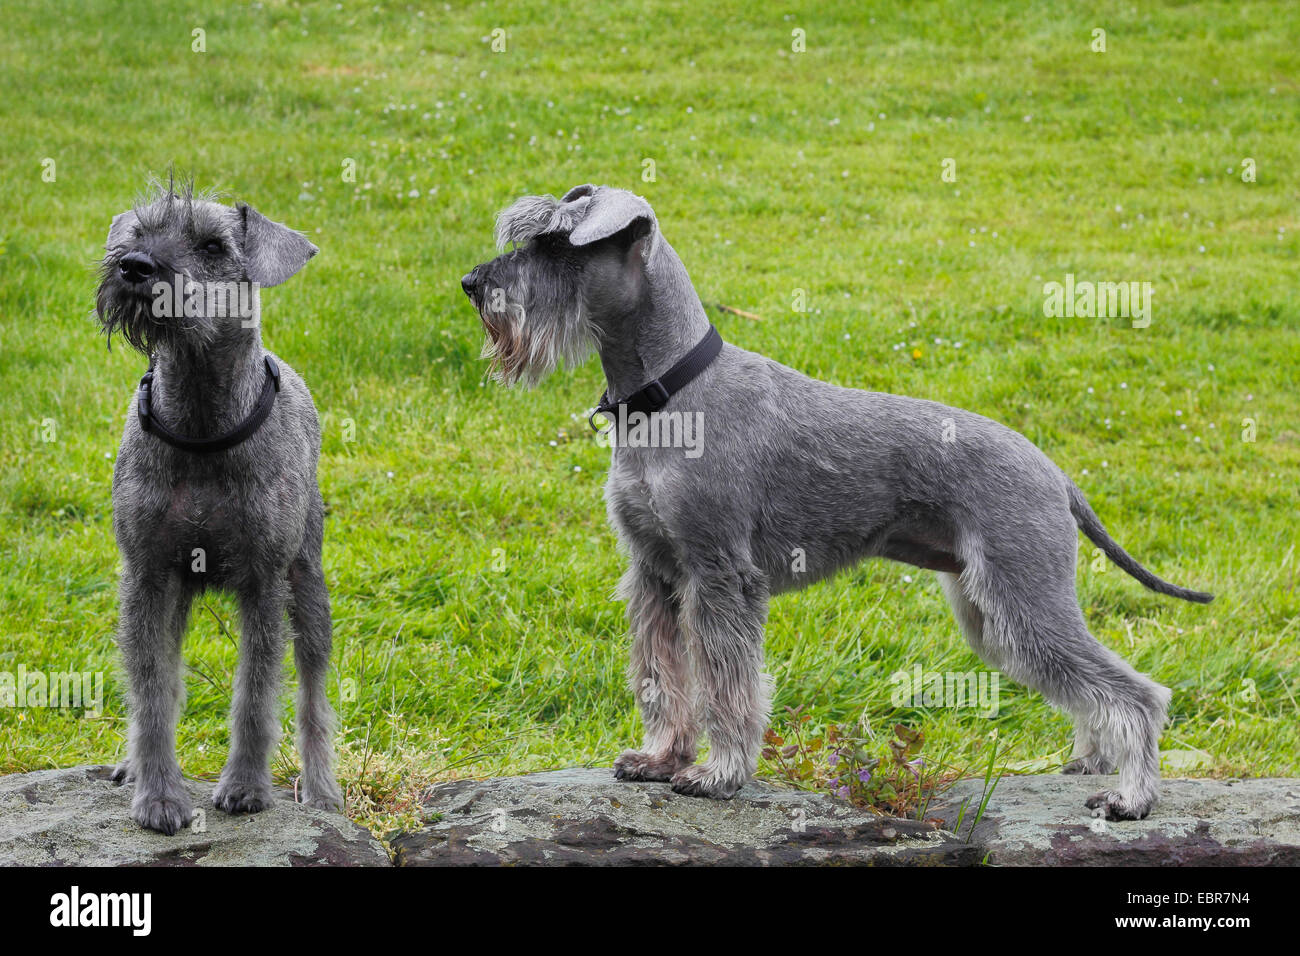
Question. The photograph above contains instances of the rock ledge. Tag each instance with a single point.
(585, 817)
(78, 817)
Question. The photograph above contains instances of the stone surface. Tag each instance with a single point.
(586, 817)
(1041, 821)
(78, 817)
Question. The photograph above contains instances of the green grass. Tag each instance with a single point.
(775, 172)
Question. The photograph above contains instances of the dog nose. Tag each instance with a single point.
(136, 266)
(468, 282)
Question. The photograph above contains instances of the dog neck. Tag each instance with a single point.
(205, 390)
(668, 322)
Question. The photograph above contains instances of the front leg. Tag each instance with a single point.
(154, 612)
(660, 679)
(245, 784)
(723, 614)
(309, 612)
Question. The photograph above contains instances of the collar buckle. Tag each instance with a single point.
(239, 434)
(654, 395)
(143, 405)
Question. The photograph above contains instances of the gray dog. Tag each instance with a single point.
(215, 487)
(797, 480)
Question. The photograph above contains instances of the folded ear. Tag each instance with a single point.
(272, 251)
(121, 228)
(609, 212)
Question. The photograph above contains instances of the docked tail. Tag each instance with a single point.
(1091, 526)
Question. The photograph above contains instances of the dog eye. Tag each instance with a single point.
(213, 247)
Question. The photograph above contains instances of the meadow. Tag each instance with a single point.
(916, 174)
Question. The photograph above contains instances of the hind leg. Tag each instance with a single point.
(1130, 725)
(969, 617)
(659, 676)
(1030, 627)
(1090, 754)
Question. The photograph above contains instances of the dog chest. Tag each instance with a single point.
(638, 517)
(215, 529)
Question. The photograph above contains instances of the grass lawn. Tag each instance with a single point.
(467, 551)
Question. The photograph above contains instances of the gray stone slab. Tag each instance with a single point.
(1041, 821)
(78, 817)
(586, 817)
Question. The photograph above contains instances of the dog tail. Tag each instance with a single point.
(1091, 526)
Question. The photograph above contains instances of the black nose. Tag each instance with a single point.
(468, 282)
(136, 266)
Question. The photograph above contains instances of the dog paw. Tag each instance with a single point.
(242, 796)
(702, 780)
(323, 796)
(1113, 805)
(1087, 765)
(165, 812)
(123, 773)
(638, 765)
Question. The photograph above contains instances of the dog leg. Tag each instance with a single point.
(724, 620)
(969, 617)
(245, 784)
(1089, 755)
(309, 613)
(154, 615)
(659, 677)
(1034, 632)
(1129, 723)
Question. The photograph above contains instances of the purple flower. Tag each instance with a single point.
(842, 793)
(833, 759)
(864, 775)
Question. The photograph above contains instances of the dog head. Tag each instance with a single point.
(181, 268)
(577, 266)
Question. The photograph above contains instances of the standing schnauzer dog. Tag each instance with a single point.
(795, 467)
(215, 487)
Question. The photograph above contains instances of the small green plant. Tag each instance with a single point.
(991, 781)
(850, 764)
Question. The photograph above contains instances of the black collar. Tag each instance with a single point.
(654, 396)
(241, 432)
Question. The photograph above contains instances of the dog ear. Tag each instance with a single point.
(121, 228)
(272, 251)
(610, 212)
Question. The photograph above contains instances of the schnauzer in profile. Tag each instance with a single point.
(794, 466)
